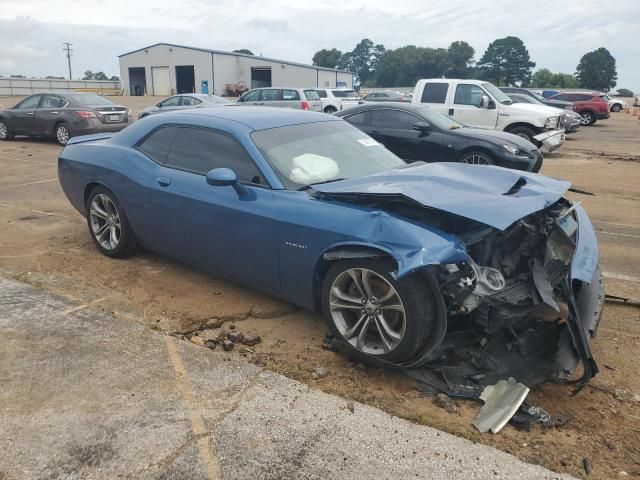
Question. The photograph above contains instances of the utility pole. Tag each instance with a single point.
(67, 48)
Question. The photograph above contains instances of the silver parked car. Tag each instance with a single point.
(300, 98)
(184, 101)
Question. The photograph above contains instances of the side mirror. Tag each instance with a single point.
(484, 102)
(225, 177)
(421, 126)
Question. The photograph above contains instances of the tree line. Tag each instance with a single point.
(505, 62)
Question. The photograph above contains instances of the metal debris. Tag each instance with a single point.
(501, 402)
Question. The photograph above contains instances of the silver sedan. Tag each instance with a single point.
(184, 101)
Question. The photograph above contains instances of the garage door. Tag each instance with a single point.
(161, 82)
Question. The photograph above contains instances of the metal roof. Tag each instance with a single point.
(222, 52)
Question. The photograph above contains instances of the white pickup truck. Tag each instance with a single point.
(481, 104)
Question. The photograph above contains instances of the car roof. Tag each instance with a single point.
(259, 118)
(407, 107)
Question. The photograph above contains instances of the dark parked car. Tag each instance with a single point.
(184, 101)
(387, 97)
(573, 118)
(592, 106)
(418, 133)
(540, 99)
(62, 116)
(483, 270)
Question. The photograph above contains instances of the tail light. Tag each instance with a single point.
(304, 104)
(86, 114)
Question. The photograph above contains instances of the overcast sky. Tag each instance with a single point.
(557, 33)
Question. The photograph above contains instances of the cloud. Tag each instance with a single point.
(293, 30)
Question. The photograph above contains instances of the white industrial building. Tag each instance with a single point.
(166, 69)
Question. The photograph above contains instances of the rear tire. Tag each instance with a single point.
(588, 118)
(393, 321)
(5, 133)
(616, 107)
(62, 133)
(330, 110)
(108, 225)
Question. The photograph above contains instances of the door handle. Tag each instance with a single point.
(163, 182)
(30, 113)
(53, 113)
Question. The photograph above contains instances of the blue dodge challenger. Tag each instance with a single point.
(476, 273)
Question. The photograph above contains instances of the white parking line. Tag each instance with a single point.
(32, 183)
(16, 159)
(50, 214)
(618, 224)
(618, 234)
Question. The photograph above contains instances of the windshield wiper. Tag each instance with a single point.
(307, 187)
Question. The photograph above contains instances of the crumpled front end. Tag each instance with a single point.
(522, 307)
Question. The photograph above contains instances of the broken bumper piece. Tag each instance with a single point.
(551, 140)
(501, 402)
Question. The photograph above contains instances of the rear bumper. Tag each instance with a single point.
(603, 116)
(96, 126)
(551, 140)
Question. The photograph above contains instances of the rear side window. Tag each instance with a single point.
(311, 95)
(393, 119)
(270, 95)
(435, 93)
(157, 145)
(189, 101)
(585, 98)
(199, 150)
(290, 95)
(468, 95)
(52, 101)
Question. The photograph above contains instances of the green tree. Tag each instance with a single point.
(115, 78)
(100, 76)
(565, 80)
(597, 70)
(363, 59)
(88, 75)
(624, 92)
(542, 78)
(246, 51)
(404, 66)
(327, 58)
(507, 62)
(460, 57)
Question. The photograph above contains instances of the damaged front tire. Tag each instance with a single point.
(375, 316)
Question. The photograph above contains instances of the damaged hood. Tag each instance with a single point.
(495, 196)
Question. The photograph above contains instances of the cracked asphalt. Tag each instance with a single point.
(88, 395)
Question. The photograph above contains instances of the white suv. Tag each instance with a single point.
(332, 98)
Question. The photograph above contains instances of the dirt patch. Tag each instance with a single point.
(45, 242)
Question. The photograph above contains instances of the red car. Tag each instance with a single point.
(590, 105)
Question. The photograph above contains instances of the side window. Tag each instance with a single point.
(397, 119)
(322, 93)
(189, 101)
(199, 150)
(563, 97)
(156, 146)
(29, 102)
(357, 119)
(253, 96)
(311, 95)
(51, 101)
(435, 93)
(290, 95)
(170, 102)
(468, 95)
(270, 95)
(583, 98)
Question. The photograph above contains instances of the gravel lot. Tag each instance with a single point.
(43, 241)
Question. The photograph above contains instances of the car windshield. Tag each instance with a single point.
(606, 97)
(497, 93)
(88, 99)
(343, 93)
(439, 120)
(321, 152)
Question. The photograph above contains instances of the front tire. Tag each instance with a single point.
(63, 133)
(374, 315)
(616, 107)
(5, 133)
(476, 158)
(108, 224)
(524, 132)
(588, 118)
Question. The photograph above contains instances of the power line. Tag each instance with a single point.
(67, 48)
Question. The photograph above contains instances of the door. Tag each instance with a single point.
(467, 107)
(271, 97)
(260, 77)
(161, 81)
(290, 98)
(48, 113)
(250, 98)
(185, 79)
(23, 116)
(214, 227)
